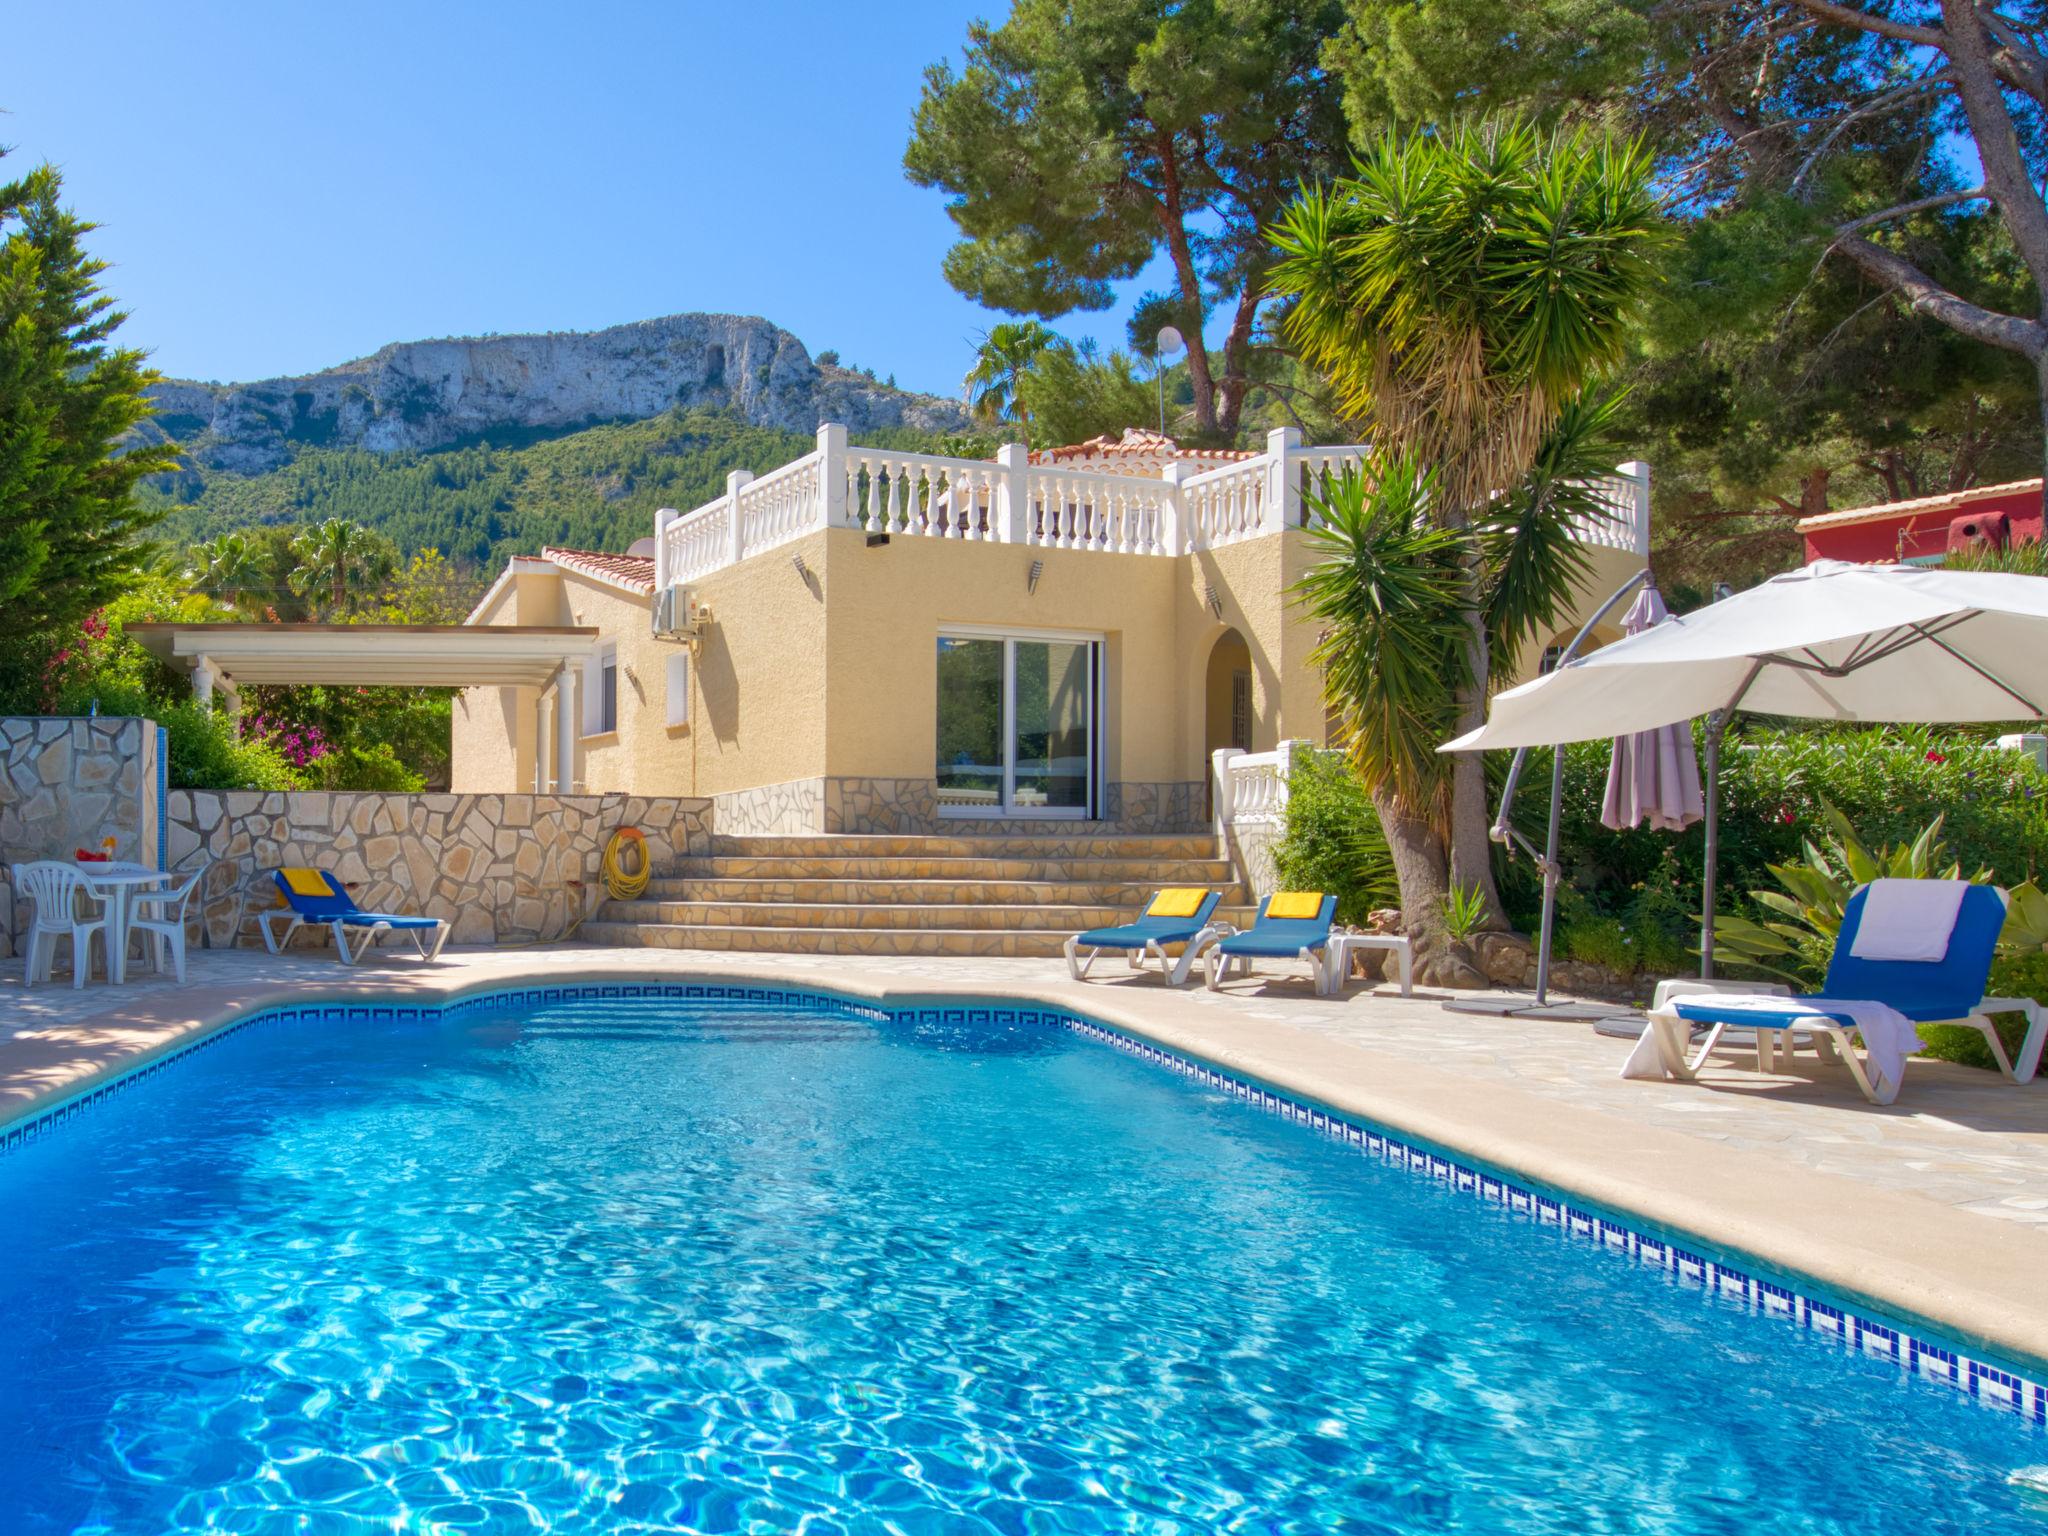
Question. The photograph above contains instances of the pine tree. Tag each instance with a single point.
(71, 529)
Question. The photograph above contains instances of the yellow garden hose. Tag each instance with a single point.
(623, 886)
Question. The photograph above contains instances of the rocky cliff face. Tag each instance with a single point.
(428, 394)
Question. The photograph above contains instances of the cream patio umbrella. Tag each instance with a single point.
(1830, 641)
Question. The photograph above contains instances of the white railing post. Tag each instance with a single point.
(1283, 489)
(1013, 495)
(1172, 523)
(735, 481)
(662, 519)
(1638, 473)
(834, 507)
(1220, 761)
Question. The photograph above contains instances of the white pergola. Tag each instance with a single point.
(544, 658)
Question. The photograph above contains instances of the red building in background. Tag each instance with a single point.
(1926, 529)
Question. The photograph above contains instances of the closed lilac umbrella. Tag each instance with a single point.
(1654, 775)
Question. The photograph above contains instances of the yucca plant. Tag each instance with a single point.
(1459, 291)
(1797, 944)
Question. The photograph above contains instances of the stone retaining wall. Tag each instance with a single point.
(898, 806)
(67, 781)
(503, 868)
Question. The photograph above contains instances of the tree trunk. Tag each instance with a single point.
(1421, 869)
(1173, 221)
(1236, 381)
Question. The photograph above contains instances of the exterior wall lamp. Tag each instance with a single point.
(1031, 576)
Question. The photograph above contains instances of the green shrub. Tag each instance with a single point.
(374, 767)
(1333, 840)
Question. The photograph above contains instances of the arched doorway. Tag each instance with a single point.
(1228, 695)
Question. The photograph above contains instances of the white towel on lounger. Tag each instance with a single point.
(1888, 1035)
(1908, 919)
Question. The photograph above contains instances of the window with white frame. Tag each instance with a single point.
(601, 692)
(679, 688)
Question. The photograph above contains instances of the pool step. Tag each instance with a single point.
(1016, 894)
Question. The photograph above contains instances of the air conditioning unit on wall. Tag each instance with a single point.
(679, 614)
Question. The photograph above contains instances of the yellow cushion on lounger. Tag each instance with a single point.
(1177, 901)
(307, 882)
(1307, 904)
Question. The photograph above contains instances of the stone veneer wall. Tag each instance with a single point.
(857, 805)
(500, 867)
(66, 781)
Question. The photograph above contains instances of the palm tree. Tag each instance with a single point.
(335, 556)
(994, 385)
(228, 569)
(1459, 293)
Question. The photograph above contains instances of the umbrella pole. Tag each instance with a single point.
(1548, 927)
(1713, 849)
(1717, 727)
(1503, 830)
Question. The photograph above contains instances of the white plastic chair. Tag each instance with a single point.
(55, 889)
(160, 917)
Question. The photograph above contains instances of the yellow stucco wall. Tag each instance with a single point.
(888, 604)
(759, 703)
(831, 671)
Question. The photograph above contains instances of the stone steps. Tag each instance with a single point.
(1012, 942)
(1125, 895)
(1209, 871)
(1018, 893)
(965, 916)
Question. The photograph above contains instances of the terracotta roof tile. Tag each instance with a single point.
(1138, 447)
(1887, 509)
(636, 571)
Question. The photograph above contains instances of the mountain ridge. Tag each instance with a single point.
(420, 396)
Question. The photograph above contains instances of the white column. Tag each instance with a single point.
(1220, 794)
(1283, 491)
(543, 708)
(662, 519)
(1013, 496)
(737, 546)
(836, 511)
(1172, 541)
(204, 676)
(231, 696)
(1639, 472)
(565, 729)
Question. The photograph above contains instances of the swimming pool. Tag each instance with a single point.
(609, 1263)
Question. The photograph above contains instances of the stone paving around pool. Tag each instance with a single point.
(1938, 1204)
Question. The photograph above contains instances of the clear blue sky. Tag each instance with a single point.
(283, 187)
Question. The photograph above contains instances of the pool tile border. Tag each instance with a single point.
(1916, 1356)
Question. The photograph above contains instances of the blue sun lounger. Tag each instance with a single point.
(1949, 990)
(1176, 915)
(314, 897)
(1300, 930)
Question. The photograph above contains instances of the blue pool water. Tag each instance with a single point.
(630, 1265)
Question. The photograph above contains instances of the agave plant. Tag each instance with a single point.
(1797, 944)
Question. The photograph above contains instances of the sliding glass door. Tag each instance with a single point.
(1016, 725)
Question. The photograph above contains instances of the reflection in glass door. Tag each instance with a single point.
(1016, 726)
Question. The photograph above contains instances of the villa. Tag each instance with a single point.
(873, 641)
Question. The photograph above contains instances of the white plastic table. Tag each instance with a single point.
(118, 883)
(1337, 963)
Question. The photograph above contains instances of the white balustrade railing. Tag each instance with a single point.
(1249, 793)
(921, 495)
(1009, 500)
(1082, 509)
(1225, 505)
(697, 543)
(782, 505)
